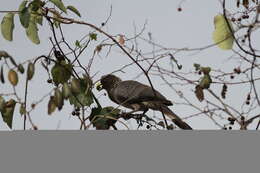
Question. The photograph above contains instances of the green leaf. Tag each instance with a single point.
(60, 5)
(93, 36)
(66, 91)
(81, 99)
(32, 31)
(22, 109)
(74, 10)
(77, 44)
(38, 16)
(61, 73)
(197, 66)
(7, 26)
(222, 35)
(81, 93)
(80, 85)
(22, 5)
(75, 86)
(205, 82)
(24, 14)
(39, 19)
(36, 5)
(98, 122)
(205, 70)
(7, 113)
(111, 111)
(103, 118)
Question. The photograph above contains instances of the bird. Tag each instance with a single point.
(139, 97)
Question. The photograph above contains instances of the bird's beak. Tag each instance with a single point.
(99, 86)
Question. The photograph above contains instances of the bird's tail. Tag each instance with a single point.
(175, 118)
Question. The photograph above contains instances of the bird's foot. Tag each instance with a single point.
(139, 120)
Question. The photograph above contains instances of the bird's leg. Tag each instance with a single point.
(145, 110)
(128, 115)
(140, 116)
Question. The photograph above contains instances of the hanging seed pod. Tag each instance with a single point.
(2, 75)
(199, 93)
(75, 85)
(224, 91)
(66, 90)
(30, 71)
(51, 105)
(2, 104)
(58, 99)
(13, 77)
(20, 68)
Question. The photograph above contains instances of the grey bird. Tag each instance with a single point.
(139, 97)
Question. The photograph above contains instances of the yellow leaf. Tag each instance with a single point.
(222, 35)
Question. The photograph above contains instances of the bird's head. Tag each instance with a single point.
(109, 81)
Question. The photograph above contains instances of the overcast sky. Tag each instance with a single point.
(191, 28)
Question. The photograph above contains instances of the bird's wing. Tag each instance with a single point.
(135, 92)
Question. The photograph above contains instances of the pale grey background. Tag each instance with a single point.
(190, 28)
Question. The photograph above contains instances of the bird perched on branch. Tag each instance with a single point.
(139, 97)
